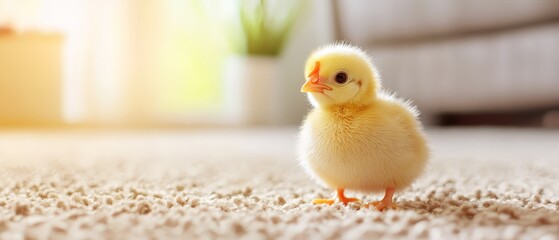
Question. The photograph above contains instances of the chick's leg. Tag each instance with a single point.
(341, 197)
(386, 201)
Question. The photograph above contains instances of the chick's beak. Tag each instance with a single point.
(314, 83)
(311, 86)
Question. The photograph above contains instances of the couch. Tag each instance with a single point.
(460, 56)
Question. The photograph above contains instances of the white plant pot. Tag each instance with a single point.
(251, 90)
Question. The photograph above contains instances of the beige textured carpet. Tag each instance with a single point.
(229, 184)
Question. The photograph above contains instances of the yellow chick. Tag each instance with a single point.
(358, 137)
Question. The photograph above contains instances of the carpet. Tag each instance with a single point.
(481, 183)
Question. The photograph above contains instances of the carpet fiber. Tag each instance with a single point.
(229, 184)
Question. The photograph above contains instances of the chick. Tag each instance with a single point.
(358, 137)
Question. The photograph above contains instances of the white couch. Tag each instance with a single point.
(460, 56)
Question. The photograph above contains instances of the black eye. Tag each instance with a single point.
(341, 77)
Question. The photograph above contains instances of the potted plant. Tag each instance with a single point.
(251, 73)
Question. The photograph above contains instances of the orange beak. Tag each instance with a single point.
(314, 84)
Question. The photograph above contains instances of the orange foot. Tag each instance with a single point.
(341, 198)
(386, 202)
(381, 206)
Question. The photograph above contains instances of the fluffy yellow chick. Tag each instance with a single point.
(358, 137)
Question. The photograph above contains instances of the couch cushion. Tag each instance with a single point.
(364, 21)
(506, 70)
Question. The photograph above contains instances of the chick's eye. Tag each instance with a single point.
(341, 77)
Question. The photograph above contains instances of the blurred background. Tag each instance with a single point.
(192, 63)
